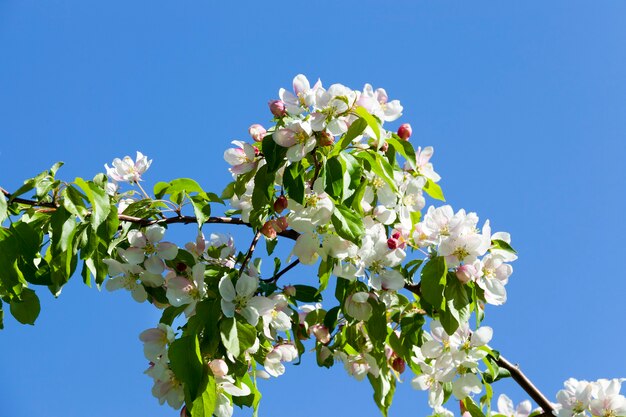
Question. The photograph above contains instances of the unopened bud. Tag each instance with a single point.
(321, 333)
(256, 151)
(218, 367)
(268, 230)
(277, 107)
(385, 147)
(393, 243)
(257, 132)
(396, 235)
(465, 273)
(405, 131)
(280, 224)
(280, 204)
(326, 139)
(289, 290)
(398, 364)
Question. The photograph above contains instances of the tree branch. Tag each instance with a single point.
(530, 388)
(283, 272)
(517, 375)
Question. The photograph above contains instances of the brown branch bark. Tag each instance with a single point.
(516, 373)
(282, 272)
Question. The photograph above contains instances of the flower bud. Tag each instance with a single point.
(393, 243)
(280, 204)
(385, 147)
(326, 139)
(277, 107)
(268, 230)
(218, 367)
(257, 132)
(321, 333)
(280, 224)
(289, 290)
(398, 364)
(396, 234)
(405, 131)
(465, 273)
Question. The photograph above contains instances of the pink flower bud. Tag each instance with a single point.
(465, 273)
(393, 243)
(218, 367)
(396, 235)
(257, 132)
(326, 139)
(277, 107)
(280, 204)
(289, 290)
(398, 364)
(281, 223)
(268, 230)
(321, 333)
(405, 131)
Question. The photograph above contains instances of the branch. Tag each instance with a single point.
(523, 381)
(283, 272)
(250, 252)
(517, 375)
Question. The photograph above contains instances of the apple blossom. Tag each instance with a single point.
(257, 132)
(240, 298)
(242, 158)
(127, 170)
(273, 364)
(155, 341)
(506, 408)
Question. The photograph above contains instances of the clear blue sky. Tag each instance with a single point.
(524, 102)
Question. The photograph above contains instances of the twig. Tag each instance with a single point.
(282, 272)
(517, 375)
(257, 235)
(525, 383)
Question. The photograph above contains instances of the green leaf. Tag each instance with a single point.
(323, 272)
(246, 334)
(170, 313)
(473, 409)
(27, 308)
(434, 190)
(377, 323)
(73, 202)
(356, 128)
(383, 390)
(293, 181)
(99, 200)
(274, 153)
(380, 166)
(186, 363)
(204, 404)
(501, 244)
(352, 173)
(263, 193)
(457, 309)
(3, 209)
(201, 209)
(433, 280)
(307, 294)
(404, 148)
(371, 120)
(228, 333)
(348, 224)
(160, 189)
(330, 319)
(333, 180)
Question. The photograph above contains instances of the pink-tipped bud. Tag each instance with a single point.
(268, 230)
(257, 132)
(405, 131)
(280, 204)
(393, 243)
(398, 364)
(218, 367)
(326, 139)
(289, 290)
(321, 333)
(396, 235)
(277, 107)
(465, 273)
(257, 152)
(280, 224)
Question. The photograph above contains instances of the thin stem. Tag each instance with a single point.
(282, 272)
(523, 381)
(143, 191)
(257, 235)
(516, 373)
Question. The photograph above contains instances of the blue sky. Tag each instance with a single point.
(524, 102)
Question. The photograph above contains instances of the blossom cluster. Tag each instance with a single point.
(601, 398)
